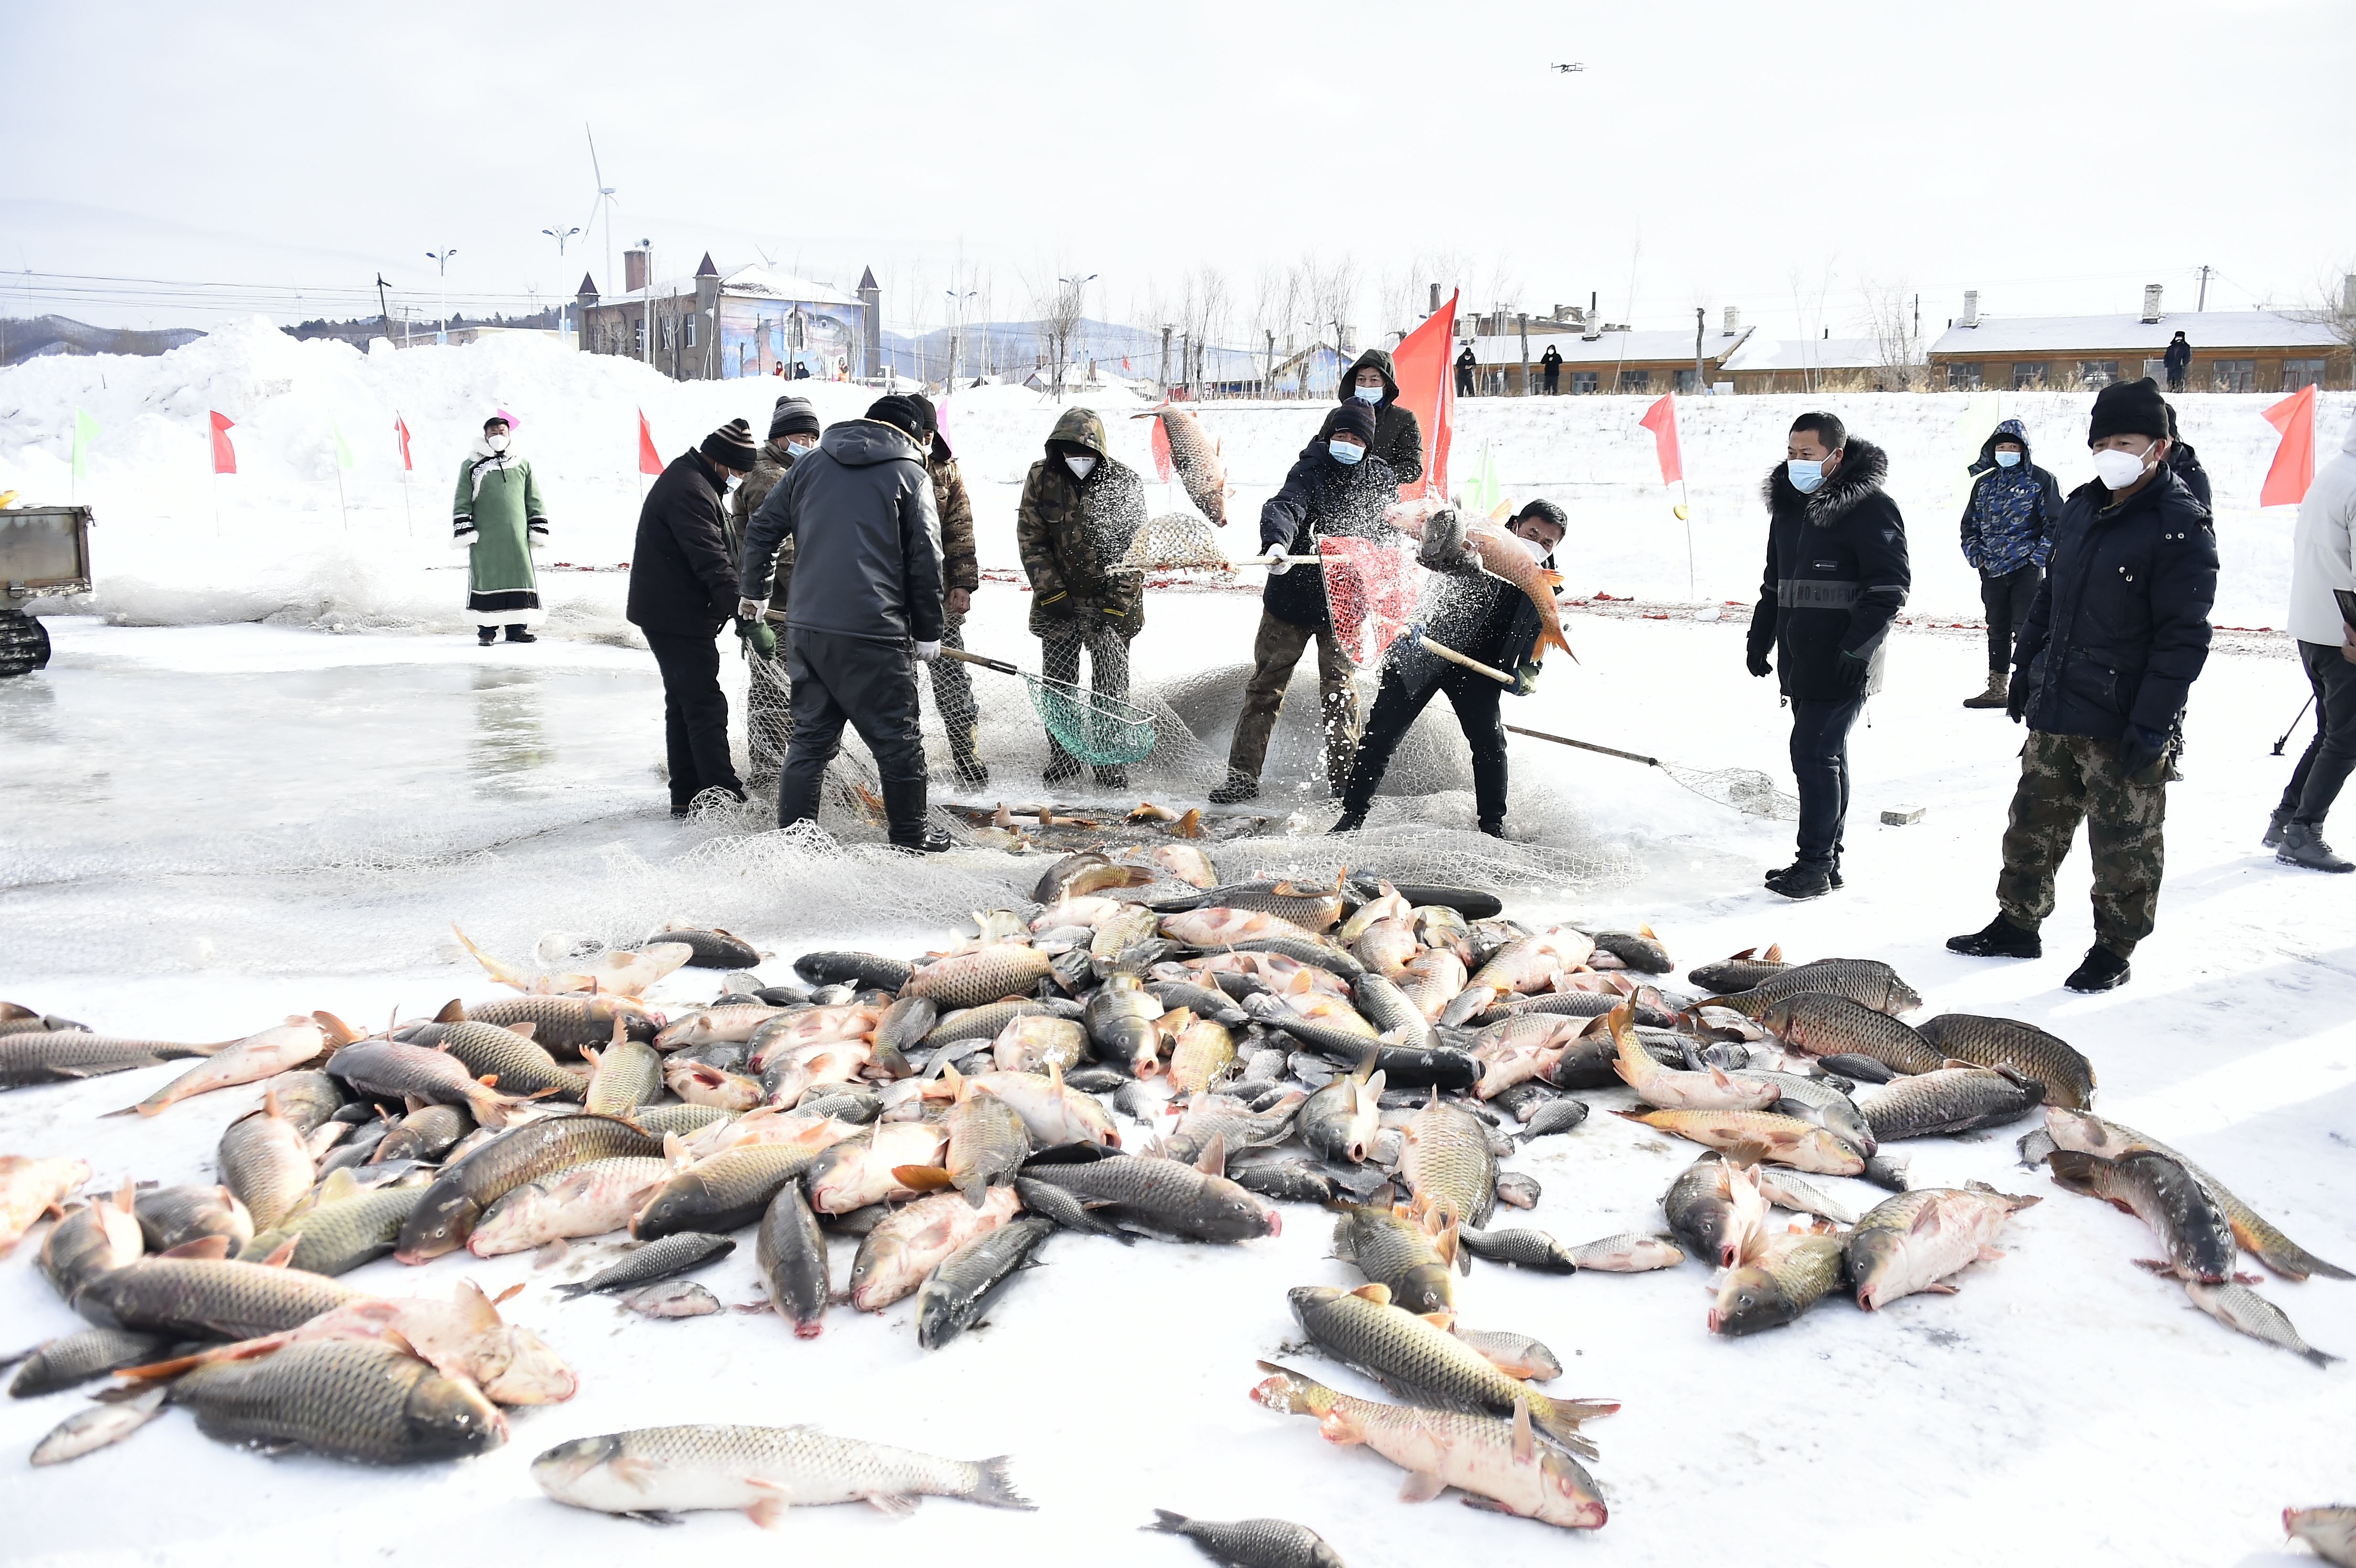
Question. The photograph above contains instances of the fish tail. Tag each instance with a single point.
(1165, 1521)
(995, 1487)
(1560, 1425)
(1289, 1393)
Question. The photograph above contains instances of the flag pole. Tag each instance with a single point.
(339, 499)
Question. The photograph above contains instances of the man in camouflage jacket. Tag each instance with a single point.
(1081, 510)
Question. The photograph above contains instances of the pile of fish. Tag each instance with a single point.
(1139, 1050)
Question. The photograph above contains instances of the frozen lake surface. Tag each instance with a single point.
(205, 829)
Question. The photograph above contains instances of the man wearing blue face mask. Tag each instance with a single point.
(1836, 576)
(2008, 523)
(1342, 488)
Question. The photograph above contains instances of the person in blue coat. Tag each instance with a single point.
(2008, 523)
(2100, 675)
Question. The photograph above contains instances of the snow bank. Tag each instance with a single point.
(277, 542)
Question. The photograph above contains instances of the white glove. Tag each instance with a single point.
(1279, 566)
(928, 652)
(750, 609)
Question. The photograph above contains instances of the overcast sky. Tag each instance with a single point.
(1790, 160)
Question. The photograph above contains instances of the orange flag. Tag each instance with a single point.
(225, 455)
(1661, 419)
(1428, 390)
(649, 460)
(2294, 465)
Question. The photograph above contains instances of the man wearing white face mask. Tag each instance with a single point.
(498, 520)
(2101, 674)
(1837, 574)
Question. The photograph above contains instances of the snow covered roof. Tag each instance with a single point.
(748, 282)
(2207, 331)
(1610, 348)
(1805, 354)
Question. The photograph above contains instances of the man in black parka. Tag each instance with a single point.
(682, 590)
(1373, 381)
(1836, 576)
(2101, 674)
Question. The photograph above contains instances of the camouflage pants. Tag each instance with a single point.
(1060, 659)
(1275, 650)
(953, 694)
(2062, 779)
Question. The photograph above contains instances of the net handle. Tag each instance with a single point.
(1272, 559)
(1587, 746)
(1453, 657)
(1000, 666)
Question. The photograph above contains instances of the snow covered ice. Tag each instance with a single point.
(215, 811)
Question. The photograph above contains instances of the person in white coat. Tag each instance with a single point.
(2323, 619)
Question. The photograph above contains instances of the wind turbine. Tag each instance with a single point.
(1575, 65)
(604, 203)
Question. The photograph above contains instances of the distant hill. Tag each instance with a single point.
(1014, 346)
(29, 338)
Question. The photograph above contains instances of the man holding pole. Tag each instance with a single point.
(1836, 576)
(1487, 619)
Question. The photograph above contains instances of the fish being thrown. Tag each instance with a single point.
(1196, 459)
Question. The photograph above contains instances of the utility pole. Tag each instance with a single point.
(1701, 381)
(383, 310)
(2202, 303)
(440, 258)
(1268, 381)
(1524, 319)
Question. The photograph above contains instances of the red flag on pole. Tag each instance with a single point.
(401, 433)
(1428, 390)
(224, 455)
(1661, 419)
(1162, 451)
(649, 460)
(2294, 465)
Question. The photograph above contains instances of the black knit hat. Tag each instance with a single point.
(794, 416)
(730, 446)
(2129, 407)
(1356, 418)
(926, 412)
(899, 411)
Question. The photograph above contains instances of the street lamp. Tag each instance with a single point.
(440, 258)
(561, 235)
(957, 330)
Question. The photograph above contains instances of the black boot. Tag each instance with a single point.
(485, 635)
(1352, 817)
(904, 808)
(2103, 970)
(520, 633)
(1062, 766)
(1493, 826)
(971, 771)
(1999, 939)
(1803, 880)
(1240, 786)
(2274, 825)
(1114, 777)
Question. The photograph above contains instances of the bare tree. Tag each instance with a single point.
(1057, 304)
(1808, 308)
(1897, 346)
(2332, 302)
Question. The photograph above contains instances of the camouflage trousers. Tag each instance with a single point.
(1060, 659)
(1276, 649)
(2062, 779)
(953, 697)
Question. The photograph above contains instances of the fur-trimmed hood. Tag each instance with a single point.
(1859, 475)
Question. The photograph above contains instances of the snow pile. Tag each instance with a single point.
(277, 542)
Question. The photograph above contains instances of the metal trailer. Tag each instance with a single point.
(44, 551)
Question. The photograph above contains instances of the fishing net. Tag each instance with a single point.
(1176, 542)
(1097, 728)
(1371, 590)
(1747, 790)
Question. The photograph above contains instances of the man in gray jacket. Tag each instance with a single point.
(867, 593)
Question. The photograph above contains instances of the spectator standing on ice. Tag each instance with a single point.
(2322, 593)
(867, 606)
(498, 520)
(2008, 523)
(1477, 615)
(768, 718)
(1399, 435)
(1837, 575)
(682, 590)
(1341, 491)
(1465, 366)
(2178, 360)
(1080, 511)
(2101, 674)
(1550, 362)
(961, 575)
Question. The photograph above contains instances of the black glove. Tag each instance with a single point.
(1757, 664)
(2142, 750)
(1853, 667)
(2016, 697)
(1058, 604)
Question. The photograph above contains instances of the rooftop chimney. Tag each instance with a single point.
(1435, 300)
(634, 268)
(1733, 320)
(2348, 294)
(2150, 304)
(1971, 308)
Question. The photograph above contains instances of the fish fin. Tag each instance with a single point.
(899, 1504)
(2155, 1264)
(1380, 1295)
(340, 1186)
(1524, 1441)
(523, 1030)
(508, 1293)
(1942, 1289)
(1717, 1077)
(1212, 1161)
(209, 1248)
(766, 1512)
(955, 1080)
(922, 1177)
(1749, 1152)
(339, 1033)
(281, 1255)
(548, 1252)
(675, 1152)
(469, 1298)
(1443, 1321)
(488, 1081)
(1928, 1219)
(1421, 1486)
(1991, 1254)
(1448, 1243)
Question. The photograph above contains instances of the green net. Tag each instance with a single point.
(1101, 731)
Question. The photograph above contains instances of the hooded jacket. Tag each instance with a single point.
(1837, 575)
(2319, 564)
(1321, 497)
(682, 582)
(1398, 434)
(2120, 630)
(867, 545)
(2011, 513)
(1075, 533)
(776, 457)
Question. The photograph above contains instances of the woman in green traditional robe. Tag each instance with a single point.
(498, 520)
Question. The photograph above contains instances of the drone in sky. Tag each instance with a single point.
(1575, 65)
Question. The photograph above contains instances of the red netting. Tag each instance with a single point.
(1371, 592)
